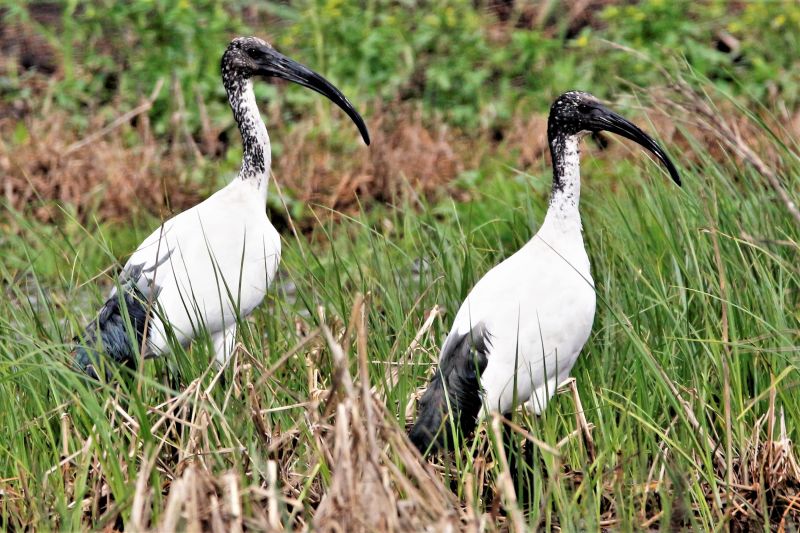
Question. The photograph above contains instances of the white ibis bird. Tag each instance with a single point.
(211, 265)
(521, 328)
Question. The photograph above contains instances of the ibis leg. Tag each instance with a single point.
(580, 417)
(224, 343)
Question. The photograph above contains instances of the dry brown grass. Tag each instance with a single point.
(379, 481)
(107, 176)
(104, 177)
(408, 157)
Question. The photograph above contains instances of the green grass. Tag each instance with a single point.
(670, 338)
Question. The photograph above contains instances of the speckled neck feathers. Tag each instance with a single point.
(565, 196)
(256, 156)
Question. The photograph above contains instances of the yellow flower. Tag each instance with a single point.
(450, 16)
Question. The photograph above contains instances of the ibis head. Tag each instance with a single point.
(251, 56)
(577, 112)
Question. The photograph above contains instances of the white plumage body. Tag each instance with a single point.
(537, 308)
(209, 264)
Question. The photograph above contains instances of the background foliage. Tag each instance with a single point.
(112, 117)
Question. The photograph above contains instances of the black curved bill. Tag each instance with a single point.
(613, 123)
(278, 65)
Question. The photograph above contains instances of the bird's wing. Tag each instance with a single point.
(538, 309)
(206, 266)
(108, 331)
(148, 264)
(456, 386)
(491, 301)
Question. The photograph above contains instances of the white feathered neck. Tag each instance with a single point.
(256, 153)
(565, 197)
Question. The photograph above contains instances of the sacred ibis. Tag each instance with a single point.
(209, 266)
(521, 328)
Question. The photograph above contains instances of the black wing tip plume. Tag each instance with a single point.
(430, 430)
(454, 397)
(425, 437)
(441, 411)
(93, 363)
(106, 341)
(84, 360)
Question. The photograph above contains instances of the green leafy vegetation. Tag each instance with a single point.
(460, 60)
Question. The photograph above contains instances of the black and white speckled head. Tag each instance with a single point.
(241, 57)
(569, 113)
(575, 113)
(246, 57)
